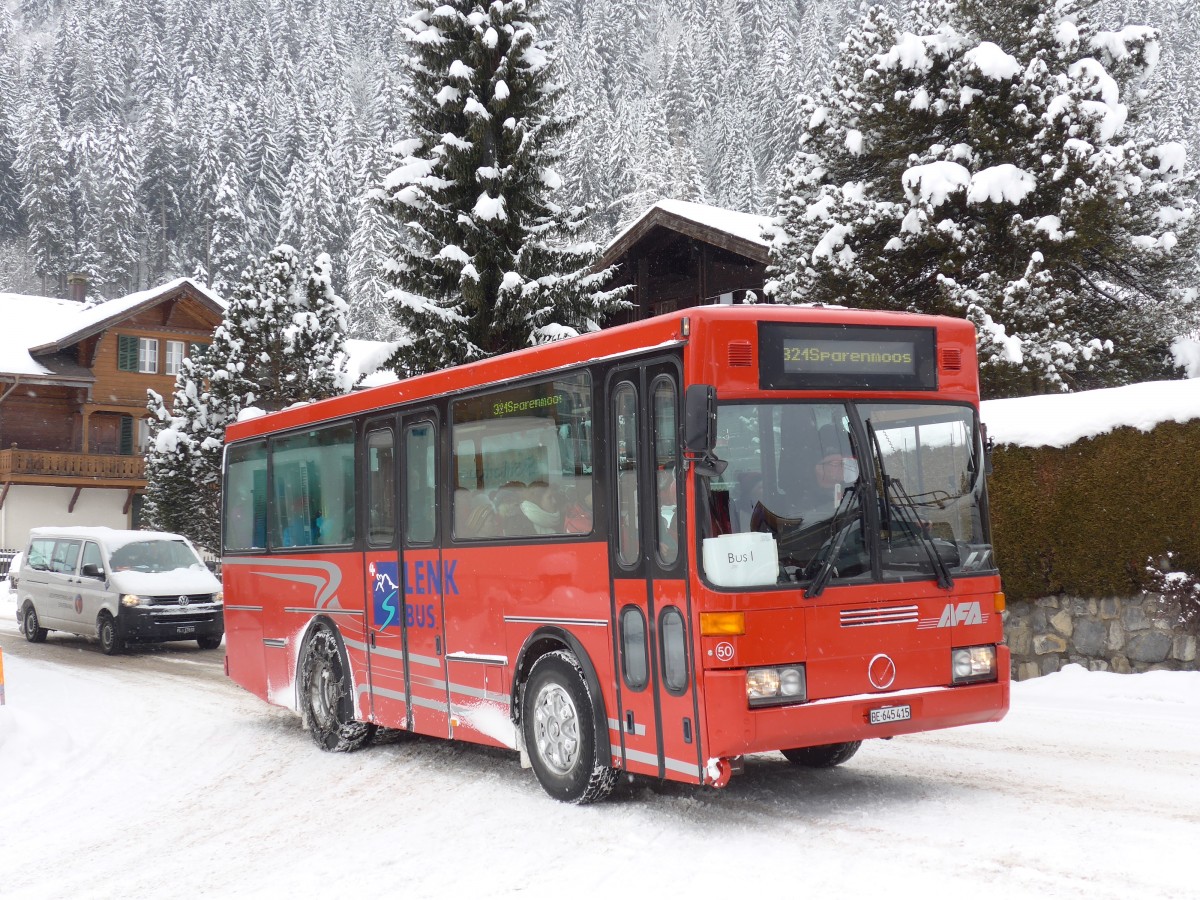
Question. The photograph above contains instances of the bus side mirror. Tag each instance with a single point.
(988, 446)
(700, 429)
(700, 419)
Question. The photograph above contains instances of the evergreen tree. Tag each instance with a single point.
(979, 165)
(370, 242)
(483, 266)
(11, 223)
(230, 239)
(121, 215)
(183, 459)
(45, 201)
(279, 343)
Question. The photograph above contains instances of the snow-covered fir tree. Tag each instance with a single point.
(231, 238)
(486, 261)
(183, 458)
(980, 162)
(281, 341)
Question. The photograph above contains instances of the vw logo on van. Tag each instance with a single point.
(183, 600)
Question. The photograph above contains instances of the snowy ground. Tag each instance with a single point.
(150, 775)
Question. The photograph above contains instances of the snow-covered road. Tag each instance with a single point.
(150, 776)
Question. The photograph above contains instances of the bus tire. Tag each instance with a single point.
(326, 704)
(559, 731)
(826, 756)
(110, 637)
(30, 627)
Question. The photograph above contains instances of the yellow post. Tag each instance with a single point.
(1, 676)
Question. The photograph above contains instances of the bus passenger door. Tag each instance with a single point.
(424, 578)
(655, 731)
(387, 702)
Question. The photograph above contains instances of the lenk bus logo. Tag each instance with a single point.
(421, 577)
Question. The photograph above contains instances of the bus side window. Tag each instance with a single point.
(381, 492)
(628, 524)
(420, 512)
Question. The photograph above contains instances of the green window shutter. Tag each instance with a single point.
(126, 435)
(127, 353)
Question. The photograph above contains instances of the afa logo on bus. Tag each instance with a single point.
(419, 578)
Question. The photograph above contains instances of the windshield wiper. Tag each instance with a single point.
(834, 547)
(906, 508)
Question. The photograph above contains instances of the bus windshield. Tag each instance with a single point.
(819, 492)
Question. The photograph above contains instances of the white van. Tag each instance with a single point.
(119, 586)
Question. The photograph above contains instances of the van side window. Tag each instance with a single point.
(41, 550)
(66, 554)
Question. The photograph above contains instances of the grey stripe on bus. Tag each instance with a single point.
(327, 611)
(390, 694)
(322, 596)
(614, 725)
(481, 693)
(538, 620)
(652, 759)
(430, 704)
(428, 682)
(275, 642)
(459, 656)
(229, 606)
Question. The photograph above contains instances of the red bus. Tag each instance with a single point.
(654, 550)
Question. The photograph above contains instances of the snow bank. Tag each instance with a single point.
(1058, 420)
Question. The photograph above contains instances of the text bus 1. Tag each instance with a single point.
(502, 553)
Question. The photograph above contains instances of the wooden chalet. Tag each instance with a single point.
(73, 382)
(681, 254)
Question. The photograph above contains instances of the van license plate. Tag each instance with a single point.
(188, 629)
(889, 714)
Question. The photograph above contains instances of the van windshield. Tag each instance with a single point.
(153, 556)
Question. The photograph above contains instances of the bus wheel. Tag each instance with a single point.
(33, 632)
(825, 756)
(560, 731)
(110, 641)
(325, 701)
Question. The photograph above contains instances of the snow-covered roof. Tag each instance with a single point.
(88, 321)
(742, 232)
(35, 327)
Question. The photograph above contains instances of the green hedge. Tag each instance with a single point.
(1083, 519)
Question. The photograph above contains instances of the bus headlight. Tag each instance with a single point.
(778, 684)
(131, 600)
(969, 664)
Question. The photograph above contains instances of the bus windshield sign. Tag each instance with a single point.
(800, 357)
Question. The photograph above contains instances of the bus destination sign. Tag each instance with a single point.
(794, 356)
(848, 357)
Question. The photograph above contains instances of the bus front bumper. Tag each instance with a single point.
(844, 719)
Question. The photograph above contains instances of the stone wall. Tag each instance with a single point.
(1114, 634)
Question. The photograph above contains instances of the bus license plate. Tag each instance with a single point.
(889, 714)
(185, 629)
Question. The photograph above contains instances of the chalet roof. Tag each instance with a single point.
(36, 329)
(738, 232)
(92, 320)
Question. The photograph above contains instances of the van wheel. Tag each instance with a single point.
(33, 632)
(825, 756)
(325, 701)
(212, 642)
(560, 731)
(110, 641)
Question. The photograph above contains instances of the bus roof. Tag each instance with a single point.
(635, 337)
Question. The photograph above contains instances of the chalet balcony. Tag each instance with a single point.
(51, 467)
